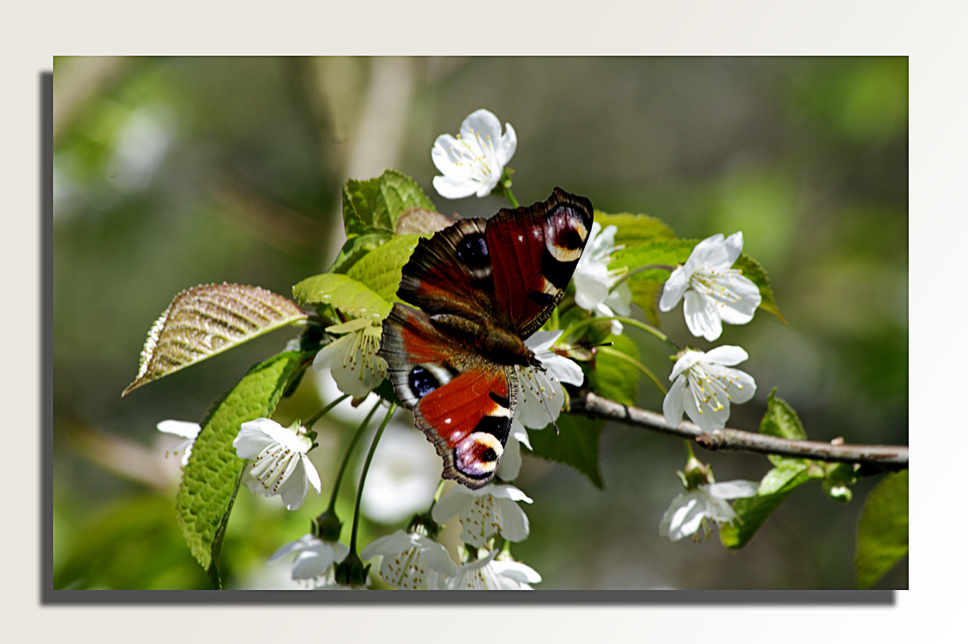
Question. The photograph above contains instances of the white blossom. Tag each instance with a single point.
(595, 285)
(472, 162)
(705, 386)
(485, 512)
(410, 561)
(540, 393)
(314, 559)
(352, 359)
(492, 572)
(510, 465)
(692, 508)
(279, 462)
(714, 293)
(188, 431)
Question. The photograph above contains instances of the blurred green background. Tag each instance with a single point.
(173, 172)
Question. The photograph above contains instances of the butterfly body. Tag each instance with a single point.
(479, 289)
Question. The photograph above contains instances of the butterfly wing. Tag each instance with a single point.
(450, 273)
(483, 287)
(533, 253)
(510, 271)
(462, 401)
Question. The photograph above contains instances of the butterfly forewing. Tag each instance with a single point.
(534, 253)
(450, 273)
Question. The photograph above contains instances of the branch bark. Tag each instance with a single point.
(881, 457)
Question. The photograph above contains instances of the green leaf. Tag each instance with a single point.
(752, 512)
(781, 421)
(646, 294)
(666, 252)
(576, 446)
(755, 273)
(343, 292)
(381, 269)
(356, 248)
(882, 532)
(634, 229)
(376, 204)
(613, 377)
(211, 478)
(207, 320)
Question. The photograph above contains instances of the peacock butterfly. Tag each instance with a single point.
(481, 288)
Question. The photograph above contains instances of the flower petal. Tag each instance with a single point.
(509, 143)
(727, 355)
(453, 189)
(540, 398)
(685, 361)
(305, 541)
(481, 123)
(683, 517)
(711, 253)
(251, 441)
(732, 246)
(542, 340)
(505, 491)
(510, 463)
(180, 428)
(748, 299)
(743, 387)
(672, 404)
(517, 571)
(732, 489)
(512, 520)
(452, 503)
(702, 316)
(674, 287)
(520, 433)
(564, 369)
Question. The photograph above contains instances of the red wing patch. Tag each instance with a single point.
(469, 420)
(461, 401)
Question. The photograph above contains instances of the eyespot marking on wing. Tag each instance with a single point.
(477, 455)
(421, 381)
(565, 235)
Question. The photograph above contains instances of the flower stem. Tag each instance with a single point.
(315, 419)
(638, 365)
(346, 456)
(689, 448)
(366, 468)
(510, 197)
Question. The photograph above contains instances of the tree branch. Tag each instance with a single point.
(880, 457)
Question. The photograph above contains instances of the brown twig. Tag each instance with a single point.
(883, 457)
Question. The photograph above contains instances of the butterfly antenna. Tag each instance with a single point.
(548, 409)
(592, 346)
(544, 402)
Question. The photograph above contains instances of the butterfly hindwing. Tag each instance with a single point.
(462, 402)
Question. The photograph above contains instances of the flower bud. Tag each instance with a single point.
(326, 526)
